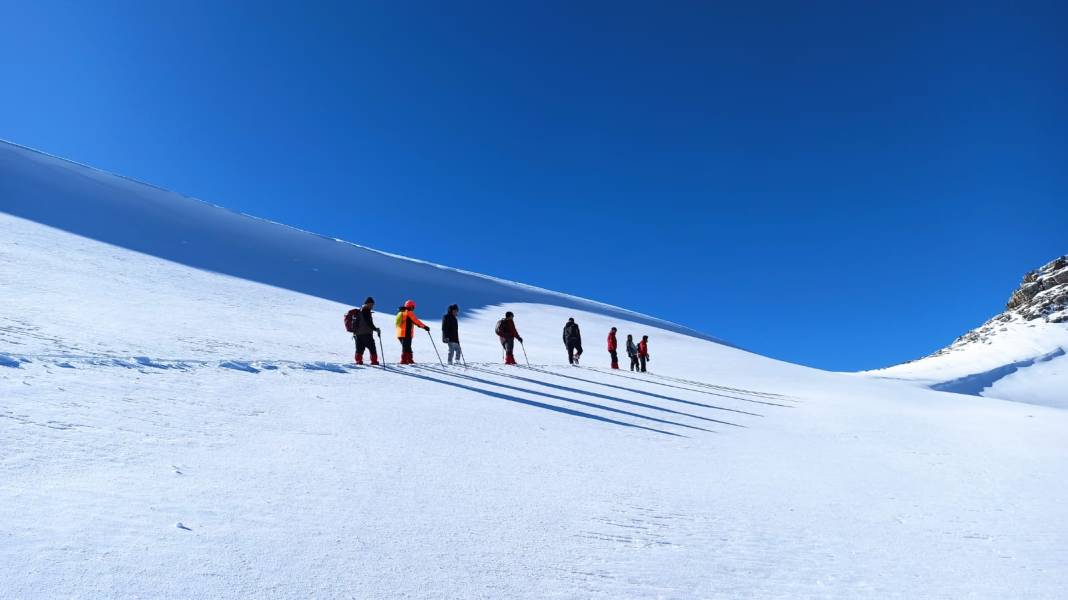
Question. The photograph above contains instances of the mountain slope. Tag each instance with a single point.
(1018, 355)
(170, 431)
(141, 217)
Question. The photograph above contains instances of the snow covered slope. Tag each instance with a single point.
(168, 431)
(1018, 355)
(141, 217)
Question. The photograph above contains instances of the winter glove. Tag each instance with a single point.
(445, 339)
(378, 330)
(427, 327)
(519, 338)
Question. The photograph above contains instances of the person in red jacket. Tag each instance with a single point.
(612, 345)
(643, 351)
(406, 324)
(509, 334)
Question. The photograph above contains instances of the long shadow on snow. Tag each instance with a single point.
(975, 383)
(707, 385)
(614, 399)
(651, 394)
(704, 384)
(690, 388)
(570, 400)
(501, 396)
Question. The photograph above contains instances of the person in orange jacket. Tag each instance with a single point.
(612, 346)
(643, 351)
(406, 324)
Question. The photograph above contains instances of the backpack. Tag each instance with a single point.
(352, 320)
(500, 328)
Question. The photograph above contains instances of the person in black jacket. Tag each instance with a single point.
(632, 352)
(364, 332)
(572, 341)
(450, 332)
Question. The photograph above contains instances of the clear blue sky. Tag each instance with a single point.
(843, 185)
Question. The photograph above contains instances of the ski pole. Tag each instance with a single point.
(524, 347)
(381, 347)
(435, 348)
(462, 355)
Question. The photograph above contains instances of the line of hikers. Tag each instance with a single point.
(360, 322)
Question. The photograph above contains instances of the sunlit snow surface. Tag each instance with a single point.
(171, 432)
(1021, 361)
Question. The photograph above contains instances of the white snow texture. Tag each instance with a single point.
(180, 417)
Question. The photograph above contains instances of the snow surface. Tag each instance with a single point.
(1020, 361)
(176, 432)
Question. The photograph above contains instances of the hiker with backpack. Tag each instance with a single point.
(406, 323)
(508, 334)
(632, 352)
(572, 341)
(612, 345)
(643, 351)
(450, 332)
(360, 323)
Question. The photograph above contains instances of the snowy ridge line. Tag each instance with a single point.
(976, 383)
(532, 288)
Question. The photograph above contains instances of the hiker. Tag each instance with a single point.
(363, 329)
(643, 351)
(572, 341)
(632, 352)
(406, 324)
(508, 334)
(450, 332)
(612, 345)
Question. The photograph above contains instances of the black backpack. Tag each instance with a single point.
(500, 328)
(352, 320)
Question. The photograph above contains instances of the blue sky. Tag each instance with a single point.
(845, 185)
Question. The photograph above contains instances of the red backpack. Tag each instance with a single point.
(352, 318)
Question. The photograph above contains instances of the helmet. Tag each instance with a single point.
(410, 305)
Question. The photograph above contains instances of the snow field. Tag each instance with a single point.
(137, 394)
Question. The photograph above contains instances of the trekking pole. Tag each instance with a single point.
(435, 348)
(381, 348)
(524, 347)
(462, 356)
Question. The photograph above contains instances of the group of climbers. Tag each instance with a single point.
(360, 322)
(638, 353)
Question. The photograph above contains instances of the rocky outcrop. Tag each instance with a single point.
(1043, 293)
(1042, 296)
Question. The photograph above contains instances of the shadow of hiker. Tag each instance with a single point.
(690, 384)
(654, 394)
(564, 399)
(614, 399)
(501, 396)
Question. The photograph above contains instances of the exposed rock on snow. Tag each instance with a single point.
(1018, 355)
(1043, 295)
